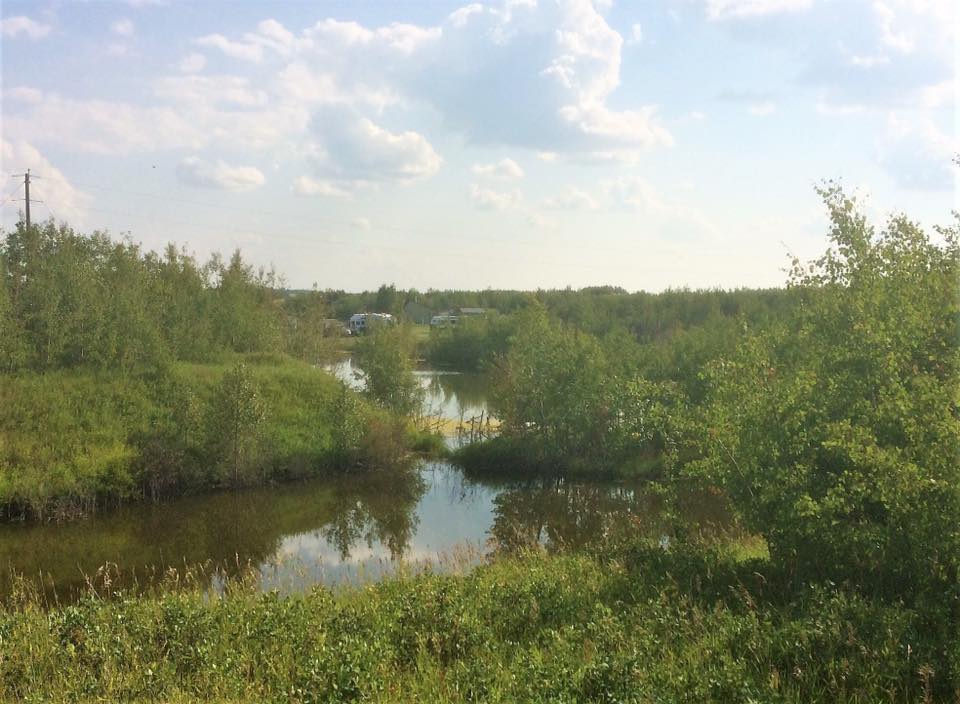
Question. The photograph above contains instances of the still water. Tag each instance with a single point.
(336, 529)
(449, 395)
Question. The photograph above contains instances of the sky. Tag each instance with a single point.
(508, 144)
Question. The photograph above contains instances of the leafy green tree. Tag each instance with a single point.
(388, 300)
(309, 336)
(234, 422)
(13, 350)
(555, 387)
(835, 432)
(386, 357)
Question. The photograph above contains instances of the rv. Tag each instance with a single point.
(361, 322)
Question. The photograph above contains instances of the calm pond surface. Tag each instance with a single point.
(450, 395)
(344, 528)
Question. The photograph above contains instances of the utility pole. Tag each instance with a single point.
(26, 195)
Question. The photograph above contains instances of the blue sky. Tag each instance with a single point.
(510, 144)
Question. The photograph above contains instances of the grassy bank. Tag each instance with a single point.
(637, 624)
(73, 439)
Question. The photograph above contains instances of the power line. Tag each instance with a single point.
(311, 219)
(348, 243)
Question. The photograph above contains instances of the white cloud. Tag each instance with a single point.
(300, 83)
(918, 155)
(401, 37)
(349, 148)
(536, 75)
(360, 223)
(740, 9)
(572, 198)
(486, 199)
(869, 61)
(458, 18)
(103, 127)
(307, 186)
(506, 169)
(563, 59)
(59, 196)
(246, 51)
(275, 32)
(20, 26)
(635, 192)
(197, 172)
(762, 109)
(891, 34)
(24, 94)
(636, 34)
(210, 90)
(669, 218)
(938, 95)
(122, 28)
(192, 63)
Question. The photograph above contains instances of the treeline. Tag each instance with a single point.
(596, 309)
(71, 300)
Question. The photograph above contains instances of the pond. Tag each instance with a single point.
(343, 528)
(447, 394)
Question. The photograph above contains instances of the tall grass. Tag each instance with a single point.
(71, 440)
(636, 624)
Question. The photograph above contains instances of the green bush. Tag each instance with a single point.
(71, 439)
(386, 357)
(640, 624)
(836, 432)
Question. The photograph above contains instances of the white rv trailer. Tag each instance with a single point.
(361, 322)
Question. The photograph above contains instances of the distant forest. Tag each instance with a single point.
(73, 300)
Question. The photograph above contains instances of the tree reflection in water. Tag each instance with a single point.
(562, 515)
(223, 533)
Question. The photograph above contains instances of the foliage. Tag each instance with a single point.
(385, 355)
(569, 402)
(554, 386)
(233, 426)
(472, 343)
(69, 300)
(71, 440)
(835, 433)
(639, 624)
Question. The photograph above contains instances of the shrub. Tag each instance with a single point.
(836, 433)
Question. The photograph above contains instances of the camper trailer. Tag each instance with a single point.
(361, 322)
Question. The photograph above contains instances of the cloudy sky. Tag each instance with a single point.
(515, 143)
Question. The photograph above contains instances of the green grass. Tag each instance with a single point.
(71, 440)
(634, 624)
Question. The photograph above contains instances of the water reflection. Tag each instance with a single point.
(448, 395)
(563, 515)
(341, 528)
(258, 527)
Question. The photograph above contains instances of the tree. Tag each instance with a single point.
(835, 433)
(555, 387)
(385, 356)
(233, 425)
